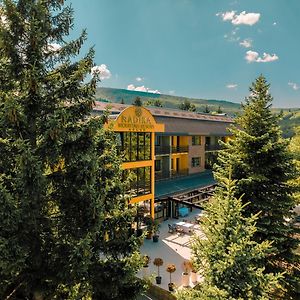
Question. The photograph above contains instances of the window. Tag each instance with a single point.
(157, 140)
(139, 181)
(158, 165)
(136, 146)
(196, 140)
(196, 162)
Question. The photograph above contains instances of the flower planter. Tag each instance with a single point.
(171, 286)
(155, 238)
(185, 279)
(158, 279)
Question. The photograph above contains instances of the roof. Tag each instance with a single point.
(178, 121)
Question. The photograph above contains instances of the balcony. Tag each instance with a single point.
(215, 147)
(159, 175)
(162, 150)
(180, 149)
(180, 173)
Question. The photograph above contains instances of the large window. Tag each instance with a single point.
(135, 145)
(139, 181)
(196, 162)
(158, 165)
(196, 140)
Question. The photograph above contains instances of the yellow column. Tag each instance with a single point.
(152, 174)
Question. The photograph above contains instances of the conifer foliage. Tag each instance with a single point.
(228, 256)
(261, 164)
(64, 222)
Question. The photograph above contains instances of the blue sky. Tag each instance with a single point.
(209, 49)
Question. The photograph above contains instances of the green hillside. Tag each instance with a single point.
(290, 117)
(116, 95)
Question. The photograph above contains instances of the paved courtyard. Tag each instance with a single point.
(172, 248)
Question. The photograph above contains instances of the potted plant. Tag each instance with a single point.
(194, 276)
(171, 268)
(155, 231)
(186, 266)
(146, 261)
(158, 262)
(149, 223)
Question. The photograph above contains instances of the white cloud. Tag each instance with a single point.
(231, 86)
(252, 56)
(139, 79)
(246, 18)
(294, 86)
(101, 71)
(53, 47)
(247, 43)
(142, 88)
(242, 19)
(172, 92)
(226, 16)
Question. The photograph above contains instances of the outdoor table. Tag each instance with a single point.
(187, 227)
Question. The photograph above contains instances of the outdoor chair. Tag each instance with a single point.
(172, 229)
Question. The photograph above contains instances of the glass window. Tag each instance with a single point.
(158, 165)
(157, 140)
(196, 140)
(139, 181)
(136, 146)
(196, 162)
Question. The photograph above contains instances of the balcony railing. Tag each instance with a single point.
(183, 172)
(162, 150)
(159, 175)
(180, 149)
(215, 147)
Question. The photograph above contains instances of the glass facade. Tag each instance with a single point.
(139, 181)
(136, 146)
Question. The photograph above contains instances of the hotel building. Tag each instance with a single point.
(161, 144)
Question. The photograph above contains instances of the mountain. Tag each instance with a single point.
(168, 101)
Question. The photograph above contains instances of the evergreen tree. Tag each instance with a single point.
(262, 165)
(187, 105)
(122, 101)
(295, 150)
(137, 101)
(64, 222)
(219, 111)
(228, 256)
(206, 109)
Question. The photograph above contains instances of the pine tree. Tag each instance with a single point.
(137, 101)
(206, 109)
(228, 256)
(187, 105)
(64, 221)
(262, 166)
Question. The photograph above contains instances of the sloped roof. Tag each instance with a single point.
(177, 121)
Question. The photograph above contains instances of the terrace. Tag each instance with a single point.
(173, 247)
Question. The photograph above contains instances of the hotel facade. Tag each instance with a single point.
(158, 145)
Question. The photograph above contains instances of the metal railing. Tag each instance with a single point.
(179, 173)
(180, 149)
(215, 147)
(162, 150)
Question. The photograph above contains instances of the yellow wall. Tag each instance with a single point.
(139, 119)
(183, 161)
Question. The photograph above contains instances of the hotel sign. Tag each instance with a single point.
(136, 118)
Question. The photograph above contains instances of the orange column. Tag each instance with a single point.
(152, 174)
